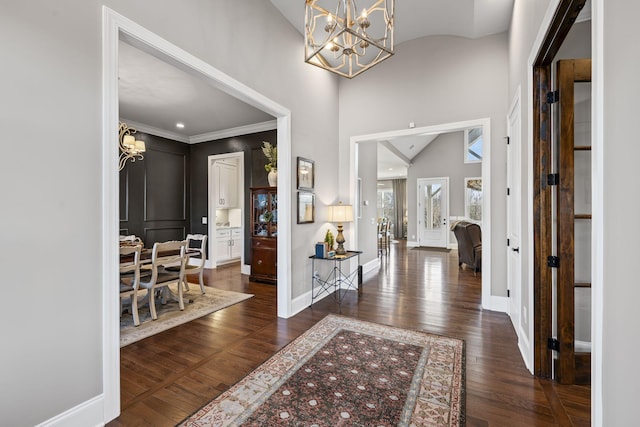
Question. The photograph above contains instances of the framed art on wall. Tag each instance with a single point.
(306, 207)
(305, 173)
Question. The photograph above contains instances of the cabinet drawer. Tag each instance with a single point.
(264, 262)
(224, 233)
(235, 233)
(257, 243)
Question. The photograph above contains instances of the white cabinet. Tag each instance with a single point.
(226, 177)
(228, 244)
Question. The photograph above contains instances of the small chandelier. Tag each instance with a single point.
(129, 147)
(348, 40)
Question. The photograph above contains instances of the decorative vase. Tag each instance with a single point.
(273, 177)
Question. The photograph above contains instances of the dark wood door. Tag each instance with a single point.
(573, 210)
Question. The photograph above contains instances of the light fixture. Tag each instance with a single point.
(340, 213)
(129, 147)
(180, 125)
(345, 39)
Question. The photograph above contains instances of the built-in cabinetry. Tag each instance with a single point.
(228, 244)
(264, 234)
(226, 181)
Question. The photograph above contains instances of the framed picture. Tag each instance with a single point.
(305, 174)
(306, 207)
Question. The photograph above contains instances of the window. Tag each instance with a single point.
(386, 203)
(473, 145)
(473, 199)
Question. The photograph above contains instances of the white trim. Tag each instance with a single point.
(231, 132)
(300, 303)
(500, 304)
(116, 27)
(211, 206)
(542, 30)
(89, 413)
(203, 137)
(141, 127)
(372, 265)
(524, 345)
(412, 244)
(486, 180)
(597, 223)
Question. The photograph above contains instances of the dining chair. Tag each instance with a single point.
(195, 263)
(165, 254)
(130, 278)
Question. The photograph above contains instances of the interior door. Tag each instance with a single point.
(573, 232)
(514, 262)
(433, 212)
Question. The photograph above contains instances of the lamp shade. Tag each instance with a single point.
(340, 213)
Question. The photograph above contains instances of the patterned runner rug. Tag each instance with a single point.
(169, 315)
(348, 372)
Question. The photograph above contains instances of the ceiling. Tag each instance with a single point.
(420, 18)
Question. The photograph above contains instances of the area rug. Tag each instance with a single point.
(169, 315)
(348, 372)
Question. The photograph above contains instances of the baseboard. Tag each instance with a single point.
(500, 304)
(453, 246)
(412, 244)
(372, 265)
(525, 350)
(245, 269)
(300, 303)
(89, 413)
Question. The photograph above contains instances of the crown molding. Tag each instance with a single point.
(231, 132)
(141, 127)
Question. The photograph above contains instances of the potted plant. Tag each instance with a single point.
(271, 153)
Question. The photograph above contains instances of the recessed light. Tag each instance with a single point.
(180, 125)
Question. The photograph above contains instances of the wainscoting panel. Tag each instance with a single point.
(165, 186)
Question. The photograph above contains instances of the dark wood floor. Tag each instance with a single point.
(166, 377)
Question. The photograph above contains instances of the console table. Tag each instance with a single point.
(341, 276)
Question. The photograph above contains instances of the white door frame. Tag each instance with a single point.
(211, 205)
(487, 302)
(114, 28)
(445, 201)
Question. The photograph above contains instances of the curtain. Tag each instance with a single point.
(400, 200)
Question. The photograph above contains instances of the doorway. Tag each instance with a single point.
(488, 302)
(116, 28)
(433, 212)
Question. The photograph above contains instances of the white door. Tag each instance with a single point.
(514, 274)
(433, 212)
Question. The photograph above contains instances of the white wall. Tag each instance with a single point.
(443, 157)
(50, 179)
(367, 228)
(617, 152)
(431, 81)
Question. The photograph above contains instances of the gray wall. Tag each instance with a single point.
(367, 229)
(621, 293)
(51, 113)
(444, 157)
(525, 22)
(432, 81)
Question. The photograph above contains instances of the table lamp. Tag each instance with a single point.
(340, 213)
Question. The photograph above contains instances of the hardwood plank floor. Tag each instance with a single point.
(166, 377)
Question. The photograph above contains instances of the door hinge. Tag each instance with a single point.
(553, 344)
(508, 241)
(508, 191)
(553, 179)
(553, 261)
(553, 97)
(508, 140)
(508, 293)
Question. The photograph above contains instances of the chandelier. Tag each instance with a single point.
(129, 147)
(347, 40)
